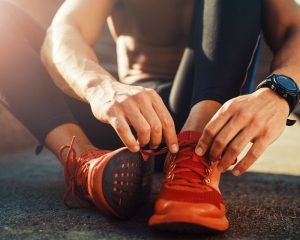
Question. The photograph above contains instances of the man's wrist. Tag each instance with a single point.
(96, 89)
(284, 86)
(269, 95)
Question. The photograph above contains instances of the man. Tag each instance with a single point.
(151, 38)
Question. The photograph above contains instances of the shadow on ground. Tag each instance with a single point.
(260, 206)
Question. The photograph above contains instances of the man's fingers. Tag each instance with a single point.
(141, 126)
(123, 130)
(211, 130)
(252, 155)
(234, 149)
(155, 126)
(223, 138)
(167, 123)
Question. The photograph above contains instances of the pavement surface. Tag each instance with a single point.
(262, 204)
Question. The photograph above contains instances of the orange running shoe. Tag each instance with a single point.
(190, 199)
(115, 182)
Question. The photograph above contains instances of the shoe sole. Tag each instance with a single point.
(127, 182)
(184, 223)
(183, 227)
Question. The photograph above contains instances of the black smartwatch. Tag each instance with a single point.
(284, 87)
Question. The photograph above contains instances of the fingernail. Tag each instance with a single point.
(174, 148)
(220, 168)
(236, 172)
(136, 148)
(199, 151)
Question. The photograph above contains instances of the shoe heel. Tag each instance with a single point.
(123, 183)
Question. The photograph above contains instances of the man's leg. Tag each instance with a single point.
(100, 134)
(26, 89)
(224, 38)
(113, 181)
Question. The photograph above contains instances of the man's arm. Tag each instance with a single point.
(281, 27)
(71, 61)
(260, 117)
(67, 51)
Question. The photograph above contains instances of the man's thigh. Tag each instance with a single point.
(100, 134)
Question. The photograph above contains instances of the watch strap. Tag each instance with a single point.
(268, 82)
(290, 122)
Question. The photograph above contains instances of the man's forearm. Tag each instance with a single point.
(71, 62)
(287, 58)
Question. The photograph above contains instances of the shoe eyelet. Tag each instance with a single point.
(208, 171)
(206, 180)
(172, 166)
(170, 177)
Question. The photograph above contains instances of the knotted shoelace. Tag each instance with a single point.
(76, 175)
(181, 172)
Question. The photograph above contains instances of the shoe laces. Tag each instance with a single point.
(185, 168)
(76, 171)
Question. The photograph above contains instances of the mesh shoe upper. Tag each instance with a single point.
(188, 176)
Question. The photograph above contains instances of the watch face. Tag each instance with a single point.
(286, 83)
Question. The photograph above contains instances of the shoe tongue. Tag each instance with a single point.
(189, 136)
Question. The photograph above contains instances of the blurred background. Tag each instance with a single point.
(14, 137)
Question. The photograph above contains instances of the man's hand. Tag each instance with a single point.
(123, 106)
(259, 118)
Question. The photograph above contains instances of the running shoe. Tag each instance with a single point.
(190, 199)
(115, 182)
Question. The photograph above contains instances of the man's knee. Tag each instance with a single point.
(16, 26)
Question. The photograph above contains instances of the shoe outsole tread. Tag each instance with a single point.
(122, 182)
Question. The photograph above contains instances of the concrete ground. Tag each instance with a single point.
(262, 204)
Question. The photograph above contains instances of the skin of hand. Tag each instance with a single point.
(69, 58)
(260, 117)
(123, 106)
